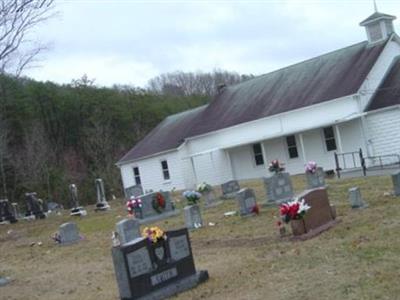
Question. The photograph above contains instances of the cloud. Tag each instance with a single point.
(132, 41)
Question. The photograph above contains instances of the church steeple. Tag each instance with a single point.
(378, 26)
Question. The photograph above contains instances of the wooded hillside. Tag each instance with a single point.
(54, 135)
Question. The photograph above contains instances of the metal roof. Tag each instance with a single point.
(168, 135)
(323, 78)
(389, 91)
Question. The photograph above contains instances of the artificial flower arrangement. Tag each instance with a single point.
(158, 202)
(192, 197)
(154, 234)
(204, 188)
(275, 166)
(134, 204)
(311, 167)
(293, 210)
(255, 209)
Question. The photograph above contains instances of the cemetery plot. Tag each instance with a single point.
(158, 270)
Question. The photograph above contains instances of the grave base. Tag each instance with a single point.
(314, 232)
(269, 203)
(102, 207)
(159, 217)
(79, 211)
(214, 204)
(176, 287)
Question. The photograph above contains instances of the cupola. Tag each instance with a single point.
(378, 26)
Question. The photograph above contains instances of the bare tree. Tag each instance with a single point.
(186, 84)
(17, 19)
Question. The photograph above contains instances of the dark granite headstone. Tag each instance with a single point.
(396, 183)
(145, 270)
(134, 191)
(34, 206)
(230, 188)
(246, 201)
(321, 216)
(279, 188)
(317, 179)
(7, 212)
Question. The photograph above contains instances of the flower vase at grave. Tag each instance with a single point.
(138, 213)
(298, 227)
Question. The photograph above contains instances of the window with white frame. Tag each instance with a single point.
(165, 170)
(258, 155)
(136, 175)
(292, 146)
(329, 136)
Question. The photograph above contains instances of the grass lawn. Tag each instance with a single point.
(357, 259)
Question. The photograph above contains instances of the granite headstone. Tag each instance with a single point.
(68, 233)
(246, 201)
(355, 198)
(230, 188)
(316, 179)
(145, 270)
(128, 230)
(193, 216)
(135, 191)
(279, 188)
(101, 203)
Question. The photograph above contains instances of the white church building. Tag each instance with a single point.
(342, 101)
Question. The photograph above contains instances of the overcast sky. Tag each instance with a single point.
(129, 41)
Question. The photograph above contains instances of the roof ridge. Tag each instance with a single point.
(301, 62)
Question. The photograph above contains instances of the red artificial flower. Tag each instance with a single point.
(293, 209)
(255, 209)
(279, 223)
(284, 209)
(160, 200)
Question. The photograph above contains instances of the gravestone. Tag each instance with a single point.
(279, 188)
(317, 179)
(145, 270)
(6, 212)
(76, 210)
(148, 211)
(396, 183)
(193, 216)
(101, 203)
(4, 281)
(128, 230)
(68, 233)
(15, 208)
(355, 198)
(229, 189)
(320, 217)
(134, 191)
(34, 207)
(210, 199)
(246, 201)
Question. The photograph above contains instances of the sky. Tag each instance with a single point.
(128, 42)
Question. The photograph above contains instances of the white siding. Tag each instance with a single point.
(151, 173)
(315, 149)
(384, 131)
(378, 72)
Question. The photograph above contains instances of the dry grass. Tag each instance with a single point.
(357, 259)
